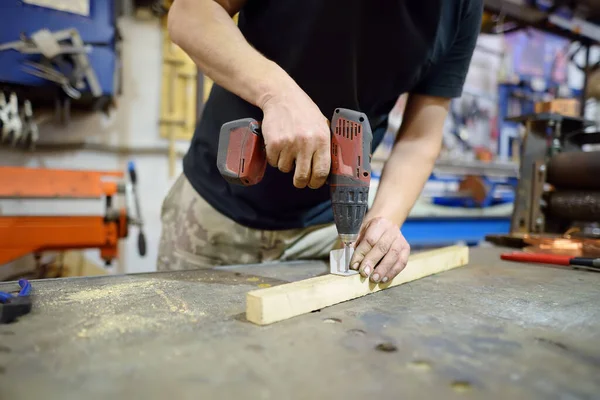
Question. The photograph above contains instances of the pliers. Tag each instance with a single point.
(49, 73)
(13, 307)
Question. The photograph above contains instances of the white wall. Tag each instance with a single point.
(134, 125)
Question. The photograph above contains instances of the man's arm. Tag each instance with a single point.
(412, 159)
(295, 131)
(205, 30)
(381, 250)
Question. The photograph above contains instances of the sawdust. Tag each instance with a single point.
(170, 304)
(118, 324)
(117, 290)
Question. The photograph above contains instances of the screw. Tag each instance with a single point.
(539, 221)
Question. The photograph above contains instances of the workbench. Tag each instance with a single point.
(491, 329)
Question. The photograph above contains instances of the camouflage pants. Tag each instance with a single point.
(195, 235)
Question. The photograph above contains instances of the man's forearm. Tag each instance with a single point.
(412, 159)
(205, 30)
(403, 178)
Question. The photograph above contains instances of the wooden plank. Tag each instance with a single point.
(265, 306)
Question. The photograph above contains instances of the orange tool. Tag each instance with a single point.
(46, 209)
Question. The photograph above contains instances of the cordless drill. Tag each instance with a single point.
(242, 160)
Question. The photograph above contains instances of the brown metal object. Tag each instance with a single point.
(569, 107)
(575, 170)
(575, 205)
(476, 187)
(558, 189)
(564, 246)
(533, 151)
(514, 241)
(537, 208)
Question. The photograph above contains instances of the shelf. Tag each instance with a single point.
(533, 17)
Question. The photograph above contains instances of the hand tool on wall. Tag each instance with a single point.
(13, 307)
(10, 119)
(59, 48)
(592, 264)
(242, 160)
(141, 243)
(50, 74)
(17, 124)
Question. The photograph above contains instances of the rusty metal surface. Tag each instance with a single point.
(575, 170)
(490, 330)
(533, 151)
(574, 246)
(537, 220)
(575, 205)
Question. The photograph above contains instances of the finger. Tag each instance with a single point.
(273, 153)
(399, 265)
(371, 236)
(378, 251)
(321, 165)
(303, 170)
(386, 263)
(286, 161)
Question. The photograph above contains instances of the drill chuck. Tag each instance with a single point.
(350, 205)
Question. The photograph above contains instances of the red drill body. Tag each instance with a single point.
(350, 174)
(241, 157)
(241, 160)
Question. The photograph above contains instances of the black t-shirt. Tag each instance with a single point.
(356, 54)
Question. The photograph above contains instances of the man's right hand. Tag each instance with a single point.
(294, 129)
(297, 133)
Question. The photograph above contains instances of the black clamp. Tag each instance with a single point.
(13, 307)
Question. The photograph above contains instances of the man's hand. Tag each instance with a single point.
(294, 129)
(381, 251)
(296, 132)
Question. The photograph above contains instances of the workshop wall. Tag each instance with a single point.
(130, 132)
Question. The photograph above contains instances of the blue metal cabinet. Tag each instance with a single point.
(98, 30)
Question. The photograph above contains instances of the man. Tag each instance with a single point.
(289, 64)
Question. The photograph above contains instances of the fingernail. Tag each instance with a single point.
(367, 271)
(354, 266)
(376, 277)
(385, 279)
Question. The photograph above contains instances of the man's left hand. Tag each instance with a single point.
(381, 251)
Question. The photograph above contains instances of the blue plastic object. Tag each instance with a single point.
(443, 231)
(25, 291)
(98, 28)
(102, 59)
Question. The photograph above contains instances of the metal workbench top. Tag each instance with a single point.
(492, 330)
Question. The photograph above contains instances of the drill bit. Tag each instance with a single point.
(339, 260)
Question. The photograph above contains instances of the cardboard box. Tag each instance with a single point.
(567, 107)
